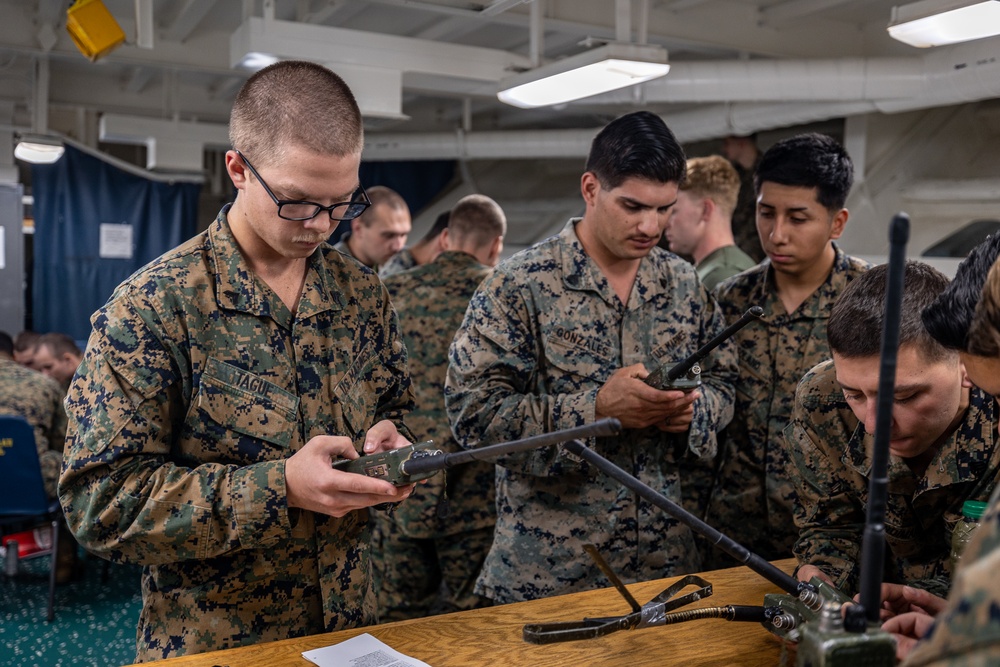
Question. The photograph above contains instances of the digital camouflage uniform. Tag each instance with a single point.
(544, 332)
(401, 261)
(722, 263)
(29, 394)
(439, 533)
(967, 632)
(829, 460)
(198, 383)
(747, 501)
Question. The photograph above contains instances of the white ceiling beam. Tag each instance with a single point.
(337, 12)
(139, 79)
(791, 10)
(170, 145)
(288, 39)
(500, 6)
(449, 29)
(190, 16)
(681, 5)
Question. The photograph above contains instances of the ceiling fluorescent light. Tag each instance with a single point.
(256, 60)
(938, 22)
(592, 72)
(38, 148)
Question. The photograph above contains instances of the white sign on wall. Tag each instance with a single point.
(116, 241)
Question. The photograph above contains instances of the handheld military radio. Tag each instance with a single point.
(686, 374)
(413, 463)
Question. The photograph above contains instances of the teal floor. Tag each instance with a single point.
(94, 622)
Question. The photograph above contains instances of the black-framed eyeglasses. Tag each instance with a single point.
(293, 209)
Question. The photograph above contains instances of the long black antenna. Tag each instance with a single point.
(599, 428)
(727, 544)
(755, 313)
(873, 545)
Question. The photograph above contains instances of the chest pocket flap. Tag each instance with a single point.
(247, 403)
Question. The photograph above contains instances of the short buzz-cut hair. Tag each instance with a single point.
(809, 161)
(984, 333)
(26, 340)
(949, 317)
(59, 344)
(295, 103)
(715, 178)
(636, 145)
(856, 320)
(380, 195)
(476, 220)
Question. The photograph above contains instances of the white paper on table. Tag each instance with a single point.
(361, 651)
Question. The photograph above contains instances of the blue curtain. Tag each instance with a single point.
(73, 198)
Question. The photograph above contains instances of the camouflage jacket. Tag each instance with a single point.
(29, 394)
(401, 261)
(197, 384)
(431, 302)
(966, 633)
(542, 334)
(829, 457)
(749, 501)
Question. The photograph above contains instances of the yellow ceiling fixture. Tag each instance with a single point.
(93, 29)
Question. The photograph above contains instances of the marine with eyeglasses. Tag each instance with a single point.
(221, 380)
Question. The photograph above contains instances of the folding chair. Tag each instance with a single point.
(23, 498)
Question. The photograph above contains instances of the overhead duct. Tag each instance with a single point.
(695, 125)
(753, 95)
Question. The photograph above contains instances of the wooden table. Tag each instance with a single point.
(493, 635)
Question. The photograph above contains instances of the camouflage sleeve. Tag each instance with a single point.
(829, 518)
(397, 398)
(123, 492)
(492, 392)
(714, 410)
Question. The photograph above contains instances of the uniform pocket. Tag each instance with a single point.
(243, 417)
(356, 393)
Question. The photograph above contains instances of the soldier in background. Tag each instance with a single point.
(943, 446)
(380, 231)
(57, 356)
(24, 348)
(442, 533)
(25, 393)
(423, 252)
(802, 185)
(562, 334)
(221, 380)
(699, 224)
(965, 318)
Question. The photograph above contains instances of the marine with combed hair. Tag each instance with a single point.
(222, 379)
(429, 551)
(562, 334)
(802, 184)
(943, 447)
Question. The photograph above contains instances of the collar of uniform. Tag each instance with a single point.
(963, 457)
(819, 302)
(580, 272)
(455, 259)
(238, 289)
